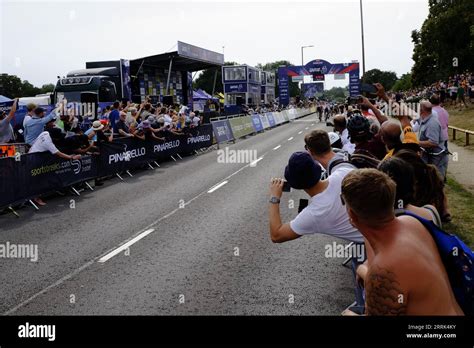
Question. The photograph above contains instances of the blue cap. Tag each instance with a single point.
(302, 172)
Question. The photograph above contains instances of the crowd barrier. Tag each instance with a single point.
(30, 175)
(229, 129)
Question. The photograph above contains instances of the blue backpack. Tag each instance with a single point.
(458, 260)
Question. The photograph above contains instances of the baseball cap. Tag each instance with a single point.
(333, 137)
(302, 172)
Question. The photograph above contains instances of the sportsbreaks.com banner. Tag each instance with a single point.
(34, 174)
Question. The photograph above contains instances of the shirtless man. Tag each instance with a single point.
(405, 273)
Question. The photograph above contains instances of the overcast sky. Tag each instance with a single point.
(41, 40)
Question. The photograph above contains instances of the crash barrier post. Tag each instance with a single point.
(31, 175)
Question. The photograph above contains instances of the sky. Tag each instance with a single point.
(40, 40)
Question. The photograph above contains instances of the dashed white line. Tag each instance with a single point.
(216, 187)
(300, 132)
(276, 147)
(307, 128)
(125, 246)
(254, 163)
(290, 139)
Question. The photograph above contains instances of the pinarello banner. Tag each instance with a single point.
(222, 131)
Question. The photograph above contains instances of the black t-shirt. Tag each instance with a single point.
(122, 125)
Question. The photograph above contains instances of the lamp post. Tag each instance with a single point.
(362, 33)
(303, 47)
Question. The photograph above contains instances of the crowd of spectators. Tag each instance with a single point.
(382, 162)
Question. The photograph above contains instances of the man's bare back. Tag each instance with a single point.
(406, 275)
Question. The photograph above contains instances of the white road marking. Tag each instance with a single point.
(307, 128)
(276, 147)
(289, 139)
(300, 132)
(254, 163)
(125, 246)
(216, 187)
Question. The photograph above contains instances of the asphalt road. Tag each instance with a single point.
(181, 252)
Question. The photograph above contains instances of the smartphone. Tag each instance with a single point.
(286, 186)
(303, 204)
(368, 89)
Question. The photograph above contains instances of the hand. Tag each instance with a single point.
(276, 187)
(366, 102)
(76, 157)
(381, 91)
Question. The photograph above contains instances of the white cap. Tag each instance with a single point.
(333, 137)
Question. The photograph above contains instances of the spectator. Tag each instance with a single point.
(365, 142)
(340, 126)
(6, 130)
(393, 138)
(443, 117)
(429, 186)
(325, 213)
(30, 111)
(145, 132)
(431, 139)
(96, 133)
(122, 127)
(114, 116)
(406, 275)
(35, 125)
(335, 141)
(403, 174)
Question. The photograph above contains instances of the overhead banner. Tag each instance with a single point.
(222, 131)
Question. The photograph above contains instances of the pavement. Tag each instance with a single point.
(188, 238)
(461, 166)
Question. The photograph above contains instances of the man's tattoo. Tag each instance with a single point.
(384, 295)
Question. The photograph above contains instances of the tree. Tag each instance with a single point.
(337, 94)
(447, 33)
(403, 84)
(386, 78)
(205, 80)
(10, 86)
(273, 67)
(47, 88)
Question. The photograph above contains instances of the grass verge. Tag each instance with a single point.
(461, 204)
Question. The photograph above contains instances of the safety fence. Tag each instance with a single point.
(234, 127)
(26, 176)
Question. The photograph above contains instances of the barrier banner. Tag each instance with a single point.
(257, 123)
(127, 153)
(271, 118)
(278, 116)
(264, 120)
(38, 173)
(285, 115)
(222, 131)
(241, 126)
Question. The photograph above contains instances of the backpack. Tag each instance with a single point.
(358, 160)
(458, 260)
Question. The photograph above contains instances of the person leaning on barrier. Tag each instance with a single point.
(324, 214)
(122, 128)
(405, 273)
(96, 132)
(146, 132)
(6, 130)
(34, 126)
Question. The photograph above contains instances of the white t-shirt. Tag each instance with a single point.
(325, 213)
(346, 142)
(44, 143)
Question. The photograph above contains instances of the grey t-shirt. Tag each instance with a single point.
(6, 131)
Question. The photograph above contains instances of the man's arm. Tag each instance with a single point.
(11, 114)
(384, 294)
(279, 232)
(380, 117)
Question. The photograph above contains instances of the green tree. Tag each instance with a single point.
(273, 67)
(386, 78)
(28, 90)
(404, 83)
(10, 86)
(205, 80)
(47, 88)
(337, 94)
(447, 33)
